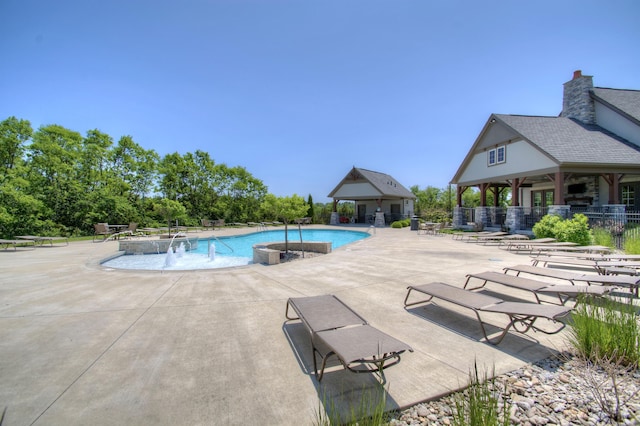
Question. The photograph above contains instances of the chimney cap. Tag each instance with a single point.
(577, 74)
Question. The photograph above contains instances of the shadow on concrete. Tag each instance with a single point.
(515, 344)
(342, 395)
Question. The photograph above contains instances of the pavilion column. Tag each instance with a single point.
(515, 190)
(558, 190)
(496, 195)
(613, 179)
(335, 217)
(459, 191)
(483, 194)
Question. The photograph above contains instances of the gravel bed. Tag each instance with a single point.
(556, 391)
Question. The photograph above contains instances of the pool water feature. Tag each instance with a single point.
(230, 251)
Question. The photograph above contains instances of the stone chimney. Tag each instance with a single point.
(577, 102)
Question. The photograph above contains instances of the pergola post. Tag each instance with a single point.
(558, 190)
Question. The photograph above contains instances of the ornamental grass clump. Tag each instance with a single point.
(481, 403)
(602, 237)
(604, 328)
(632, 240)
(370, 411)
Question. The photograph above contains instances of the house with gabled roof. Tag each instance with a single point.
(379, 198)
(588, 157)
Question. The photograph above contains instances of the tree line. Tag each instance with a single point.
(55, 181)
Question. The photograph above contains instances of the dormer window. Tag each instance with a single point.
(497, 155)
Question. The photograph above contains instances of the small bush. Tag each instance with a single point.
(574, 230)
(545, 228)
(396, 224)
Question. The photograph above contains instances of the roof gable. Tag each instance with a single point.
(626, 102)
(569, 141)
(380, 185)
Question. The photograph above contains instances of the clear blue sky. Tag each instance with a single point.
(300, 91)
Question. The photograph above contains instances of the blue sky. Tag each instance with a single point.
(299, 91)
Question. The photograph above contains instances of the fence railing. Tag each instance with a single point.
(621, 225)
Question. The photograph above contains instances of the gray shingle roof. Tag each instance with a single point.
(382, 182)
(569, 141)
(386, 184)
(626, 101)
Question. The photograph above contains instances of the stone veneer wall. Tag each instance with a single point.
(269, 253)
(577, 102)
(153, 246)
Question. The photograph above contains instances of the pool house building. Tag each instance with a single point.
(379, 198)
(586, 159)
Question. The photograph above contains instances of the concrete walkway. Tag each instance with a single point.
(80, 344)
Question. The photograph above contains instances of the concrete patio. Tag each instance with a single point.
(81, 344)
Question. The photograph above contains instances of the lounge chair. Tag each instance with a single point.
(522, 315)
(607, 280)
(563, 292)
(206, 223)
(16, 243)
(565, 262)
(42, 240)
(335, 327)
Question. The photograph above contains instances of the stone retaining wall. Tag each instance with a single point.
(269, 253)
(153, 246)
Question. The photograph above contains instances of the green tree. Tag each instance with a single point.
(14, 134)
(286, 209)
(170, 210)
(310, 212)
(54, 155)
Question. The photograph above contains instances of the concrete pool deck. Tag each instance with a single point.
(81, 344)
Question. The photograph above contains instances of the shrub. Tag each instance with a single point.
(574, 230)
(396, 224)
(436, 216)
(545, 228)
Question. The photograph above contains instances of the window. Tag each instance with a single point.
(497, 155)
(628, 195)
(542, 198)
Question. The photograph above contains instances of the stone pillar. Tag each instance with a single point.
(458, 217)
(482, 216)
(561, 210)
(513, 221)
(335, 218)
(379, 223)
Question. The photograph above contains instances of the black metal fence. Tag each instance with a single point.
(620, 225)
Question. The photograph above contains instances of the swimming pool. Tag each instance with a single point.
(230, 251)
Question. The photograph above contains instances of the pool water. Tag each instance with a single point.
(230, 251)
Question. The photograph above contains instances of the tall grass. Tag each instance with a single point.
(480, 404)
(632, 240)
(604, 328)
(602, 237)
(370, 410)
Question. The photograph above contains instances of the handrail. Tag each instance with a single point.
(225, 244)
